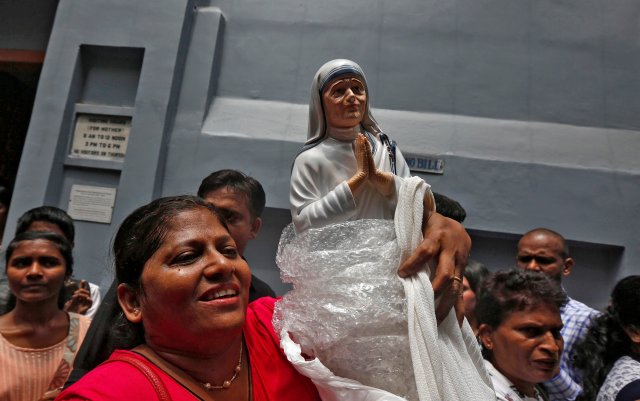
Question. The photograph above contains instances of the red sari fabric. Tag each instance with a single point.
(273, 377)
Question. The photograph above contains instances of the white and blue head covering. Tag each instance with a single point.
(328, 72)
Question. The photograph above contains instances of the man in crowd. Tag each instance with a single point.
(241, 200)
(546, 251)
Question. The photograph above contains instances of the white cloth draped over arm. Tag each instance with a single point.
(446, 359)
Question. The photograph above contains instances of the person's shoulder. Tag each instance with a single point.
(83, 321)
(262, 307)
(260, 315)
(112, 380)
(630, 392)
(578, 309)
(81, 318)
(258, 327)
(623, 380)
(311, 155)
(628, 366)
(501, 384)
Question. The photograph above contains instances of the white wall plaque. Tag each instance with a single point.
(90, 203)
(424, 163)
(100, 137)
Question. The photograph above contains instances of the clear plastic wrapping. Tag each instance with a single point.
(347, 306)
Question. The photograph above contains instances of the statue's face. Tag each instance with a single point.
(344, 101)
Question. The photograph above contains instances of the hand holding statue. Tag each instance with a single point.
(445, 247)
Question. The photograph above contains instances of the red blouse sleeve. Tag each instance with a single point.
(274, 378)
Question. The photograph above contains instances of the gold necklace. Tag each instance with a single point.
(227, 383)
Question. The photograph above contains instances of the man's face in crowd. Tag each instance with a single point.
(235, 207)
(543, 252)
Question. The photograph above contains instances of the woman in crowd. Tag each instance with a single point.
(472, 278)
(187, 331)
(38, 340)
(609, 355)
(519, 321)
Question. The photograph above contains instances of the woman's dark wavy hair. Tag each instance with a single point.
(475, 272)
(606, 340)
(140, 235)
(508, 291)
(61, 244)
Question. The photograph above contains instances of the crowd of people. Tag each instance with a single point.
(163, 250)
(185, 318)
(238, 198)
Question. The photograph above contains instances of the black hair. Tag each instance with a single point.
(61, 244)
(50, 214)
(508, 291)
(547, 231)
(475, 273)
(140, 235)
(238, 181)
(606, 339)
(449, 207)
(5, 195)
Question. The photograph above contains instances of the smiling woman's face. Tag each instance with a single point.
(527, 345)
(195, 286)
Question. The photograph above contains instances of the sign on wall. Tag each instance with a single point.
(91, 203)
(101, 137)
(424, 163)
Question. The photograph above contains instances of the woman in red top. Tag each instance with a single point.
(186, 329)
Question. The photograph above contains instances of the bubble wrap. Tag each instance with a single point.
(347, 306)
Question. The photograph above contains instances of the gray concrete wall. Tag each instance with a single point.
(160, 31)
(533, 106)
(26, 24)
(564, 61)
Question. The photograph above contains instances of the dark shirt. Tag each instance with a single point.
(630, 392)
(259, 289)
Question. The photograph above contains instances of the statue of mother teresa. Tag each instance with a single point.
(357, 215)
(348, 168)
